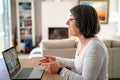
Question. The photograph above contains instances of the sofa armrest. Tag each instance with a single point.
(59, 43)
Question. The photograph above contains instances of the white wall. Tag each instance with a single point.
(54, 14)
(119, 17)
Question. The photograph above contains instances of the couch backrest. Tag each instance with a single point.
(115, 43)
(61, 43)
(107, 43)
(112, 43)
(72, 43)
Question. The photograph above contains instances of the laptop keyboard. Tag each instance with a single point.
(24, 73)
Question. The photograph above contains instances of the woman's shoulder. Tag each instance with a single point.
(95, 47)
(96, 43)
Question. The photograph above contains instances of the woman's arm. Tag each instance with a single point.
(69, 63)
(92, 65)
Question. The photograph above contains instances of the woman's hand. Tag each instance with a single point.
(47, 59)
(52, 67)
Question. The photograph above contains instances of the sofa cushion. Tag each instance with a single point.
(36, 52)
(115, 43)
(61, 43)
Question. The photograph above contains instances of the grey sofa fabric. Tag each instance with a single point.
(66, 48)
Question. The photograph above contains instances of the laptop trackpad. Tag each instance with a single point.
(24, 73)
(37, 72)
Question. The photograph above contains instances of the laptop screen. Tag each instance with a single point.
(11, 60)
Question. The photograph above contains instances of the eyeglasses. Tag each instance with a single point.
(70, 19)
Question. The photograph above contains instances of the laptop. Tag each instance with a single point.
(16, 72)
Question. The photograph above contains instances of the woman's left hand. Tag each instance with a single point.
(52, 67)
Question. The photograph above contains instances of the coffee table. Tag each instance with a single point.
(25, 62)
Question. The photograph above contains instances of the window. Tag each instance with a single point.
(1, 28)
(4, 25)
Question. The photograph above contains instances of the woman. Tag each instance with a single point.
(91, 60)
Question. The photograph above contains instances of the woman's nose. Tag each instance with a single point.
(67, 23)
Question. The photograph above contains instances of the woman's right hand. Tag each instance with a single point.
(47, 59)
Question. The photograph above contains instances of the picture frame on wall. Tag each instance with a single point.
(101, 6)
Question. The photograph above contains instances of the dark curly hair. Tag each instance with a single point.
(86, 20)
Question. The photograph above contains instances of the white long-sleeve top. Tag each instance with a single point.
(91, 64)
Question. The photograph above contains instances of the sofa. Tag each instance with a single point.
(67, 47)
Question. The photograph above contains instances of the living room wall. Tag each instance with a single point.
(108, 31)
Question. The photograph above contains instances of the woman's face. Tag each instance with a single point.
(74, 31)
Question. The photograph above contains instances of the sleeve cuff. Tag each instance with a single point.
(58, 59)
(63, 71)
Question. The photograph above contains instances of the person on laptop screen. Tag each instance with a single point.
(91, 59)
(12, 62)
